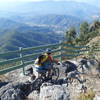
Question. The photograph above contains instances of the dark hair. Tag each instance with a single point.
(40, 58)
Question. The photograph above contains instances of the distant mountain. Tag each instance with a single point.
(25, 36)
(57, 20)
(54, 21)
(18, 31)
(36, 23)
(80, 10)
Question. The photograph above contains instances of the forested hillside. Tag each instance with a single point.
(86, 34)
(22, 24)
(15, 35)
(26, 32)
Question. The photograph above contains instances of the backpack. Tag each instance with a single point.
(41, 59)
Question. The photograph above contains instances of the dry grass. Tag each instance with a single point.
(89, 95)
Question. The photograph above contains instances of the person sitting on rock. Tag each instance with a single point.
(44, 63)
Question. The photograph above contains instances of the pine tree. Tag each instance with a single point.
(71, 35)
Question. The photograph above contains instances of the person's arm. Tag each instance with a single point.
(53, 60)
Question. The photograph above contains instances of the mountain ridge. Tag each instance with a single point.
(81, 10)
(26, 36)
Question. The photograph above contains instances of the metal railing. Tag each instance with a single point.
(27, 56)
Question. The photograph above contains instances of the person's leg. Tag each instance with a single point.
(47, 67)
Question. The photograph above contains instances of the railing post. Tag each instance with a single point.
(60, 47)
(22, 62)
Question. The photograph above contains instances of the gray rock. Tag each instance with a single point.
(33, 96)
(5, 88)
(46, 84)
(15, 91)
(54, 92)
(12, 94)
(96, 97)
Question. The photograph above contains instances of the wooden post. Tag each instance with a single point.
(22, 62)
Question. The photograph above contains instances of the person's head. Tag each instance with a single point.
(48, 51)
(40, 58)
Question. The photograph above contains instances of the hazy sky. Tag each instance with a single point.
(51, 0)
(93, 2)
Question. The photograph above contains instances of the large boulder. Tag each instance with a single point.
(15, 91)
(54, 92)
(34, 95)
(12, 94)
(97, 97)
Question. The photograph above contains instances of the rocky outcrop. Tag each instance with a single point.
(13, 94)
(97, 97)
(49, 91)
(54, 92)
(34, 95)
(22, 89)
(15, 91)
